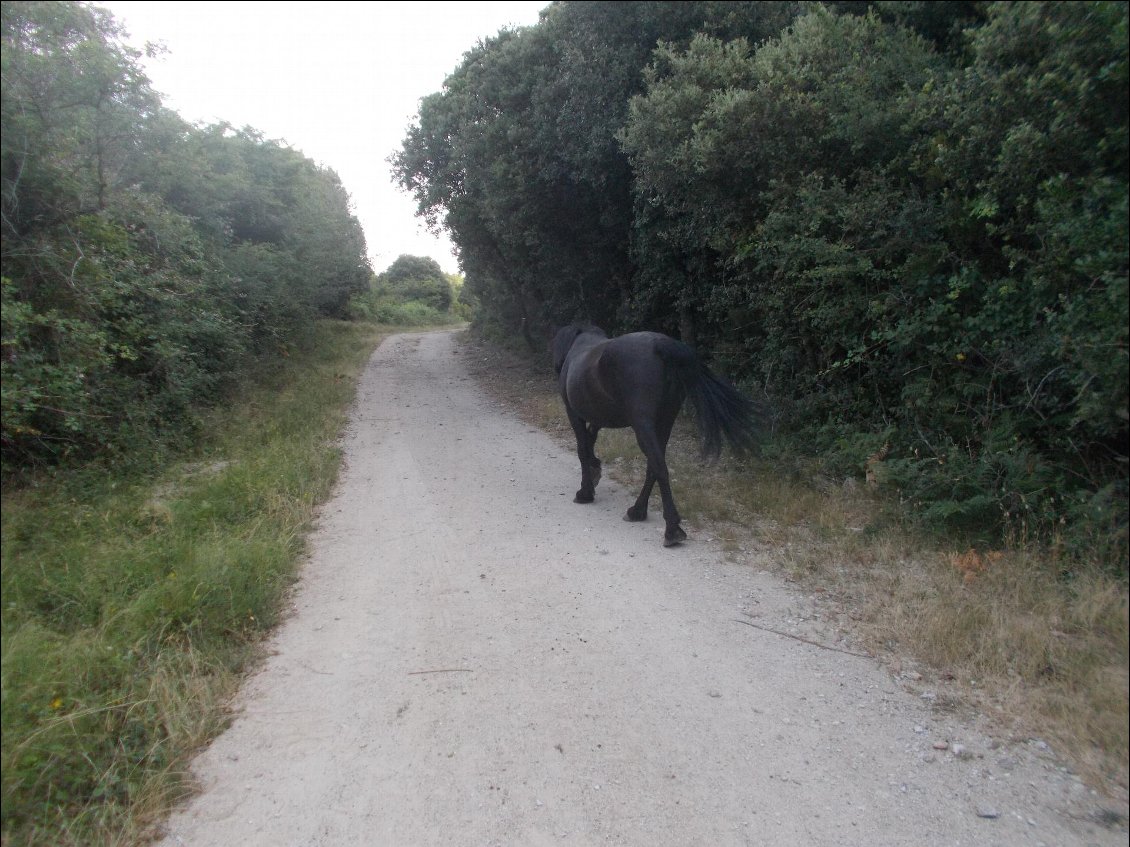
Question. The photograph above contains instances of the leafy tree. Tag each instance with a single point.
(943, 24)
(75, 109)
(244, 189)
(1035, 159)
(144, 260)
(899, 254)
(518, 155)
(906, 221)
(764, 162)
(418, 278)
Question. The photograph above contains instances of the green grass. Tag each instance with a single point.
(133, 601)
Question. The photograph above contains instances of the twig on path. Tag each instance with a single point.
(805, 640)
(441, 670)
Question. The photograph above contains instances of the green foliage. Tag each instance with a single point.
(411, 313)
(408, 270)
(417, 278)
(413, 291)
(145, 261)
(888, 251)
(391, 311)
(897, 219)
(243, 189)
(517, 156)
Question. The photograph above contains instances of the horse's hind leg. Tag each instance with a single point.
(654, 448)
(638, 511)
(590, 465)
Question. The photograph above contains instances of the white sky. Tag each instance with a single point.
(340, 81)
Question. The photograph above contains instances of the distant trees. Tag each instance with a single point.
(418, 278)
(907, 223)
(413, 291)
(144, 260)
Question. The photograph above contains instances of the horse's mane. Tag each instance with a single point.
(585, 327)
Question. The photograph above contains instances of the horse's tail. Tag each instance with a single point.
(720, 410)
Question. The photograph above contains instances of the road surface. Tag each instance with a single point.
(473, 659)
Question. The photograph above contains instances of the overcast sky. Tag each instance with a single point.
(340, 81)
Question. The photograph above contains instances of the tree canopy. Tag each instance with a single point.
(144, 259)
(906, 223)
(418, 278)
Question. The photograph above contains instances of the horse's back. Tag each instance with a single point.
(643, 370)
(639, 342)
(634, 357)
(651, 356)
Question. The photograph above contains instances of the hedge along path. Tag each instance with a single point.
(472, 655)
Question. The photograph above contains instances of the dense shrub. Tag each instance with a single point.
(416, 278)
(905, 223)
(413, 291)
(144, 261)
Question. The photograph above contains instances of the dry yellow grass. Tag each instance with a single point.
(1002, 631)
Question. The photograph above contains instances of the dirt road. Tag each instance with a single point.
(473, 659)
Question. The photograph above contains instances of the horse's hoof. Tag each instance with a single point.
(634, 516)
(584, 497)
(674, 536)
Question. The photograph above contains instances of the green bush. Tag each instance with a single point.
(145, 261)
(416, 278)
(913, 248)
(892, 218)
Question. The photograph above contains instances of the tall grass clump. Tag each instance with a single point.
(133, 599)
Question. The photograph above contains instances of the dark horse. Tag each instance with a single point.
(641, 380)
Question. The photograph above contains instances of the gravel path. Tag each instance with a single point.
(473, 659)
